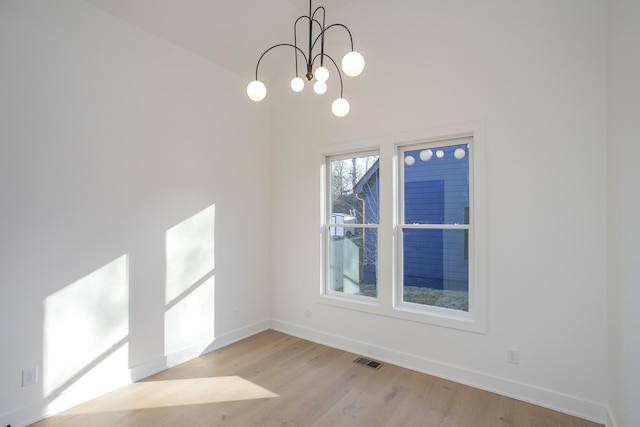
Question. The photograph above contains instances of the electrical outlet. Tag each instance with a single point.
(234, 314)
(29, 377)
(307, 313)
(513, 356)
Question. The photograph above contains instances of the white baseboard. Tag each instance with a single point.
(572, 405)
(238, 334)
(54, 404)
(592, 411)
(611, 420)
(149, 368)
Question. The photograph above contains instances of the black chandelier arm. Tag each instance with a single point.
(308, 62)
(295, 40)
(275, 46)
(324, 12)
(337, 69)
(311, 46)
(295, 37)
(330, 26)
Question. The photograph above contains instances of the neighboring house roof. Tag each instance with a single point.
(373, 170)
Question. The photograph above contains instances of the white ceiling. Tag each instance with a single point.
(303, 5)
(231, 33)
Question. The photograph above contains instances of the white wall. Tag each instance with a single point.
(624, 210)
(535, 74)
(116, 157)
(133, 180)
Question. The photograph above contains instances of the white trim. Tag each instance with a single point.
(326, 224)
(611, 420)
(152, 367)
(572, 405)
(63, 401)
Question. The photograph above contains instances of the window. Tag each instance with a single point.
(352, 224)
(404, 230)
(433, 226)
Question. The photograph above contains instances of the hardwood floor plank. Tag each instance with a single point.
(273, 379)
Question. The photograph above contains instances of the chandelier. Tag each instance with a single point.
(352, 63)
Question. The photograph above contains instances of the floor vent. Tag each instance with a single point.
(368, 362)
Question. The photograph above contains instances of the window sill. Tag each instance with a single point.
(435, 316)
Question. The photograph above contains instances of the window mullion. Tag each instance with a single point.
(437, 226)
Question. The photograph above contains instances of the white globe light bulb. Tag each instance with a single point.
(320, 87)
(321, 74)
(353, 64)
(459, 153)
(439, 154)
(256, 90)
(425, 155)
(409, 161)
(297, 84)
(340, 107)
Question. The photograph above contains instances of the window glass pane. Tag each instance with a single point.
(353, 260)
(353, 186)
(436, 185)
(436, 268)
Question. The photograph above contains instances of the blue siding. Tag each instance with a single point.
(454, 173)
(436, 191)
(424, 202)
(423, 258)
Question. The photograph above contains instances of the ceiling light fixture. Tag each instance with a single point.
(352, 62)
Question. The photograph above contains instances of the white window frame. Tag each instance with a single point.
(388, 303)
(399, 303)
(327, 224)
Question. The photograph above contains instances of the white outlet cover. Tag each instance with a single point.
(29, 377)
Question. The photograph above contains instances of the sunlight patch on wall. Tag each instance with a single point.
(191, 320)
(86, 327)
(190, 283)
(160, 394)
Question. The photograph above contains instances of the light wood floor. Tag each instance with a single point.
(273, 379)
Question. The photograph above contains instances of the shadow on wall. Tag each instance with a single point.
(86, 329)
